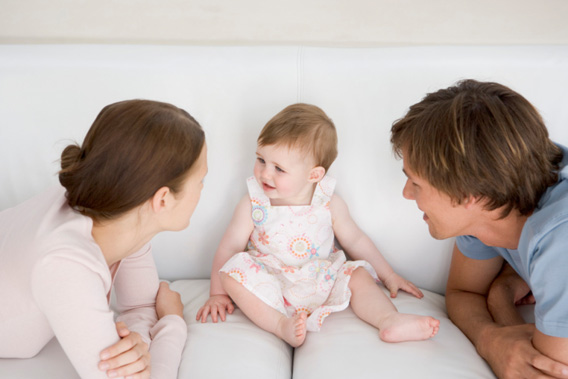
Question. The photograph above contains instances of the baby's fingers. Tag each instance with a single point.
(202, 313)
(198, 315)
(393, 292)
(413, 290)
(222, 313)
(214, 312)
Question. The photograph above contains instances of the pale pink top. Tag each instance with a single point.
(54, 280)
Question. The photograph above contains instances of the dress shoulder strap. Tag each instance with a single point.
(256, 193)
(324, 191)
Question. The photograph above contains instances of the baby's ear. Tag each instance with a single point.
(317, 174)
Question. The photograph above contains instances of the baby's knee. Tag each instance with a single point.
(360, 273)
(358, 276)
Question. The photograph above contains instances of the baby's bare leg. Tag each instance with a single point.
(292, 330)
(371, 305)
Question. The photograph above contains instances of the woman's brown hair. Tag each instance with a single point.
(132, 149)
(482, 140)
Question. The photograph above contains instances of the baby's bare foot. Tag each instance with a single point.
(400, 327)
(293, 329)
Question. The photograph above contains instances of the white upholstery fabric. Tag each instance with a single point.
(49, 96)
(347, 347)
(235, 348)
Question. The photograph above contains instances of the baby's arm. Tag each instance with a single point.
(234, 241)
(360, 247)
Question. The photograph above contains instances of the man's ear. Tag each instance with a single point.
(160, 199)
(471, 201)
(316, 174)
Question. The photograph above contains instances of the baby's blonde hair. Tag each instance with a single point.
(305, 127)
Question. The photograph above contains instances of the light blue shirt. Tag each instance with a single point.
(541, 258)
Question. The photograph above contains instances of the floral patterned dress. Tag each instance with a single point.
(291, 262)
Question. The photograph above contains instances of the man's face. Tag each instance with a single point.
(444, 217)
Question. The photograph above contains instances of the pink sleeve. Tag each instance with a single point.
(72, 297)
(136, 285)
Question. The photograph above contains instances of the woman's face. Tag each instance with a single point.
(188, 197)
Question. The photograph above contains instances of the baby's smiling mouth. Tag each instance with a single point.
(267, 187)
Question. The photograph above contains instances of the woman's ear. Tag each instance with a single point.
(316, 174)
(160, 200)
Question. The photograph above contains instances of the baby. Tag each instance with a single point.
(291, 276)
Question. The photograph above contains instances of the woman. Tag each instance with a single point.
(139, 171)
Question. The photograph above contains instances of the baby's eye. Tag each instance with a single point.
(260, 160)
(279, 169)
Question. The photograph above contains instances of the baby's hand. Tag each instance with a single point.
(217, 304)
(394, 282)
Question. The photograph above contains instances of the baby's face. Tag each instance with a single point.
(284, 174)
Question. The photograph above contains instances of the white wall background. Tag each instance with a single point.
(307, 22)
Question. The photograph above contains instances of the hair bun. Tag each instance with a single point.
(70, 155)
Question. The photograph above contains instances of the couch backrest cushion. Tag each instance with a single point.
(50, 95)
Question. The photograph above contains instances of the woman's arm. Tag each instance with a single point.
(136, 287)
(72, 296)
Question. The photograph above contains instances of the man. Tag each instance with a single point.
(481, 167)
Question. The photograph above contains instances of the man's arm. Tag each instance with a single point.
(507, 291)
(507, 349)
(468, 285)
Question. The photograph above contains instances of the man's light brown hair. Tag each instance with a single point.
(305, 127)
(482, 140)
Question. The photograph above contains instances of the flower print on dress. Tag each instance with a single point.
(300, 246)
(251, 245)
(323, 314)
(314, 252)
(259, 212)
(329, 276)
(317, 267)
(289, 269)
(349, 270)
(263, 237)
(258, 254)
(257, 266)
(238, 275)
(300, 210)
(305, 310)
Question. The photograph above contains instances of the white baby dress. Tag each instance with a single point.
(292, 263)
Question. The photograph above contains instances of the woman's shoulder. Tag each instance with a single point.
(45, 229)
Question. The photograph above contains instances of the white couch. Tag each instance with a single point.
(49, 95)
